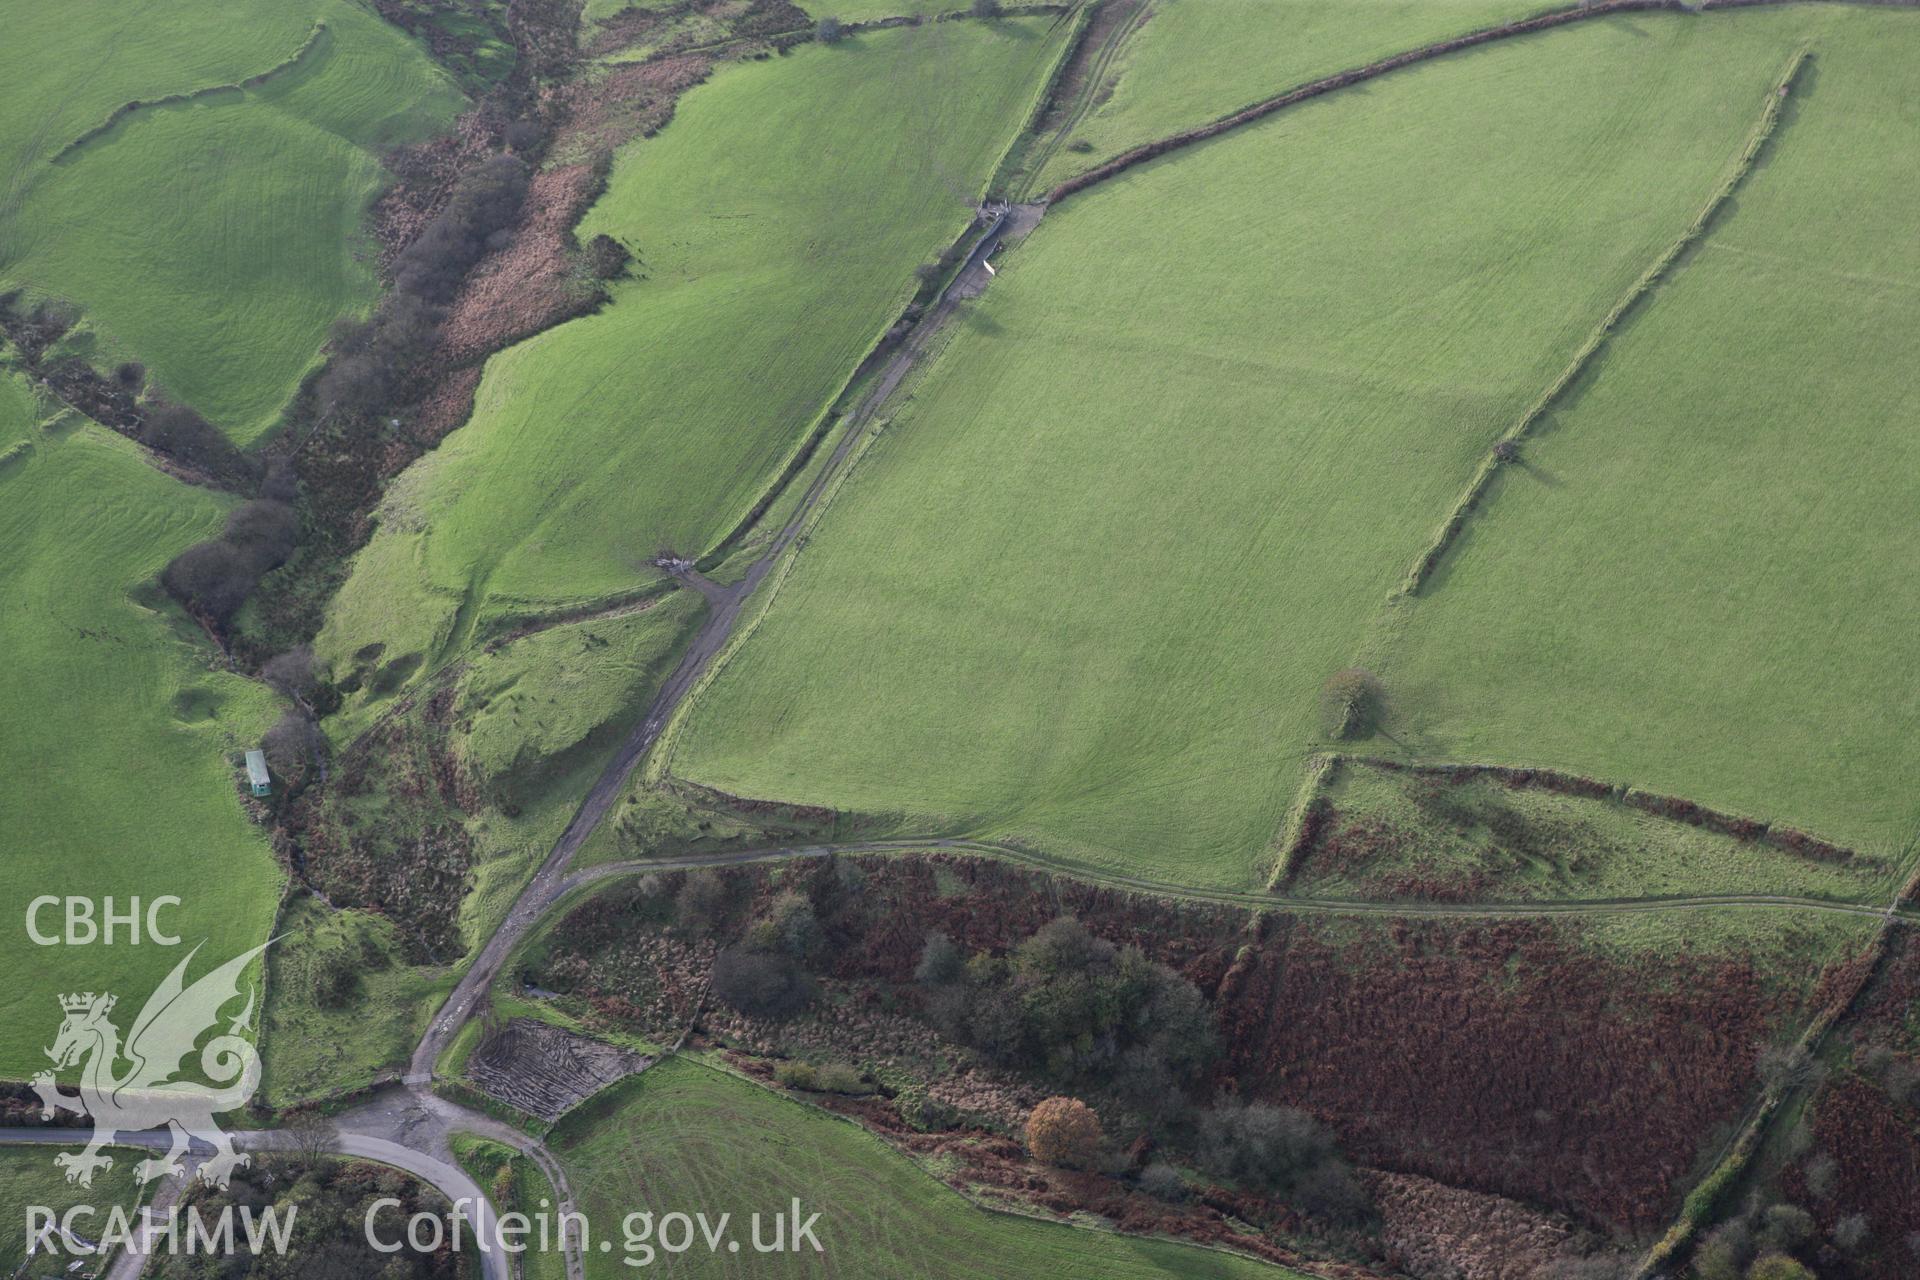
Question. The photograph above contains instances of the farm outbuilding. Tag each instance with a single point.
(257, 776)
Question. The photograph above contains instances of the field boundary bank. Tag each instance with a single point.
(1282, 903)
(881, 352)
(127, 109)
(1303, 831)
(706, 650)
(1342, 79)
(51, 393)
(1702, 1203)
(1640, 291)
(899, 335)
(1547, 21)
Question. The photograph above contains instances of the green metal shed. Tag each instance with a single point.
(257, 775)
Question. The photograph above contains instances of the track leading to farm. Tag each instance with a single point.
(724, 606)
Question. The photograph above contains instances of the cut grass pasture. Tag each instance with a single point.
(1189, 63)
(684, 1136)
(1698, 580)
(776, 223)
(1391, 835)
(1084, 590)
(213, 238)
(121, 739)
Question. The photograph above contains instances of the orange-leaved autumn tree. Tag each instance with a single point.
(1064, 1132)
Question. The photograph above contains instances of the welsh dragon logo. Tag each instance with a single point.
(149, 1093)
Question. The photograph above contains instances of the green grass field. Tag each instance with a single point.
(777, 223)
(684, 1137)
(1495, 841)
(572, 692)
(1698, 584)
(1188, 63)
(121, 739)
(873, 10)
(1083, 592)
(213, 239)
(28, 1176)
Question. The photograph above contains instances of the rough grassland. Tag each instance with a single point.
(1403, 835)
(1194, 62)
(310, 1048)
(777, 222)
(872, 10)
(686, 1137)
(1699, 582)
(532, 1195)
(533, 721)
(575, 691)
(29, 1177)
(117, 733)
(531, 705)
(1196, 431)
(213, 239)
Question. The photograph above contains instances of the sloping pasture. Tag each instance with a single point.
(776, 225)
(1084, 590)
(212, 228)
(1184, 64)
(121, 740)
(1698, 580)
(684, 1137)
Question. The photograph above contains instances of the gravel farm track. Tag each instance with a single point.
(408, 1126)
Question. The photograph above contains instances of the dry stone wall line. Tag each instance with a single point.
(126, 109)
(1328, 84)
(1506, 449)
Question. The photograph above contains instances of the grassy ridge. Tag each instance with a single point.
(213, 238)
(684, 1137)
(1695, 581)
(1194, 62)
(1196, 430)
(531, 703)
(777, 224)
(118, 731)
